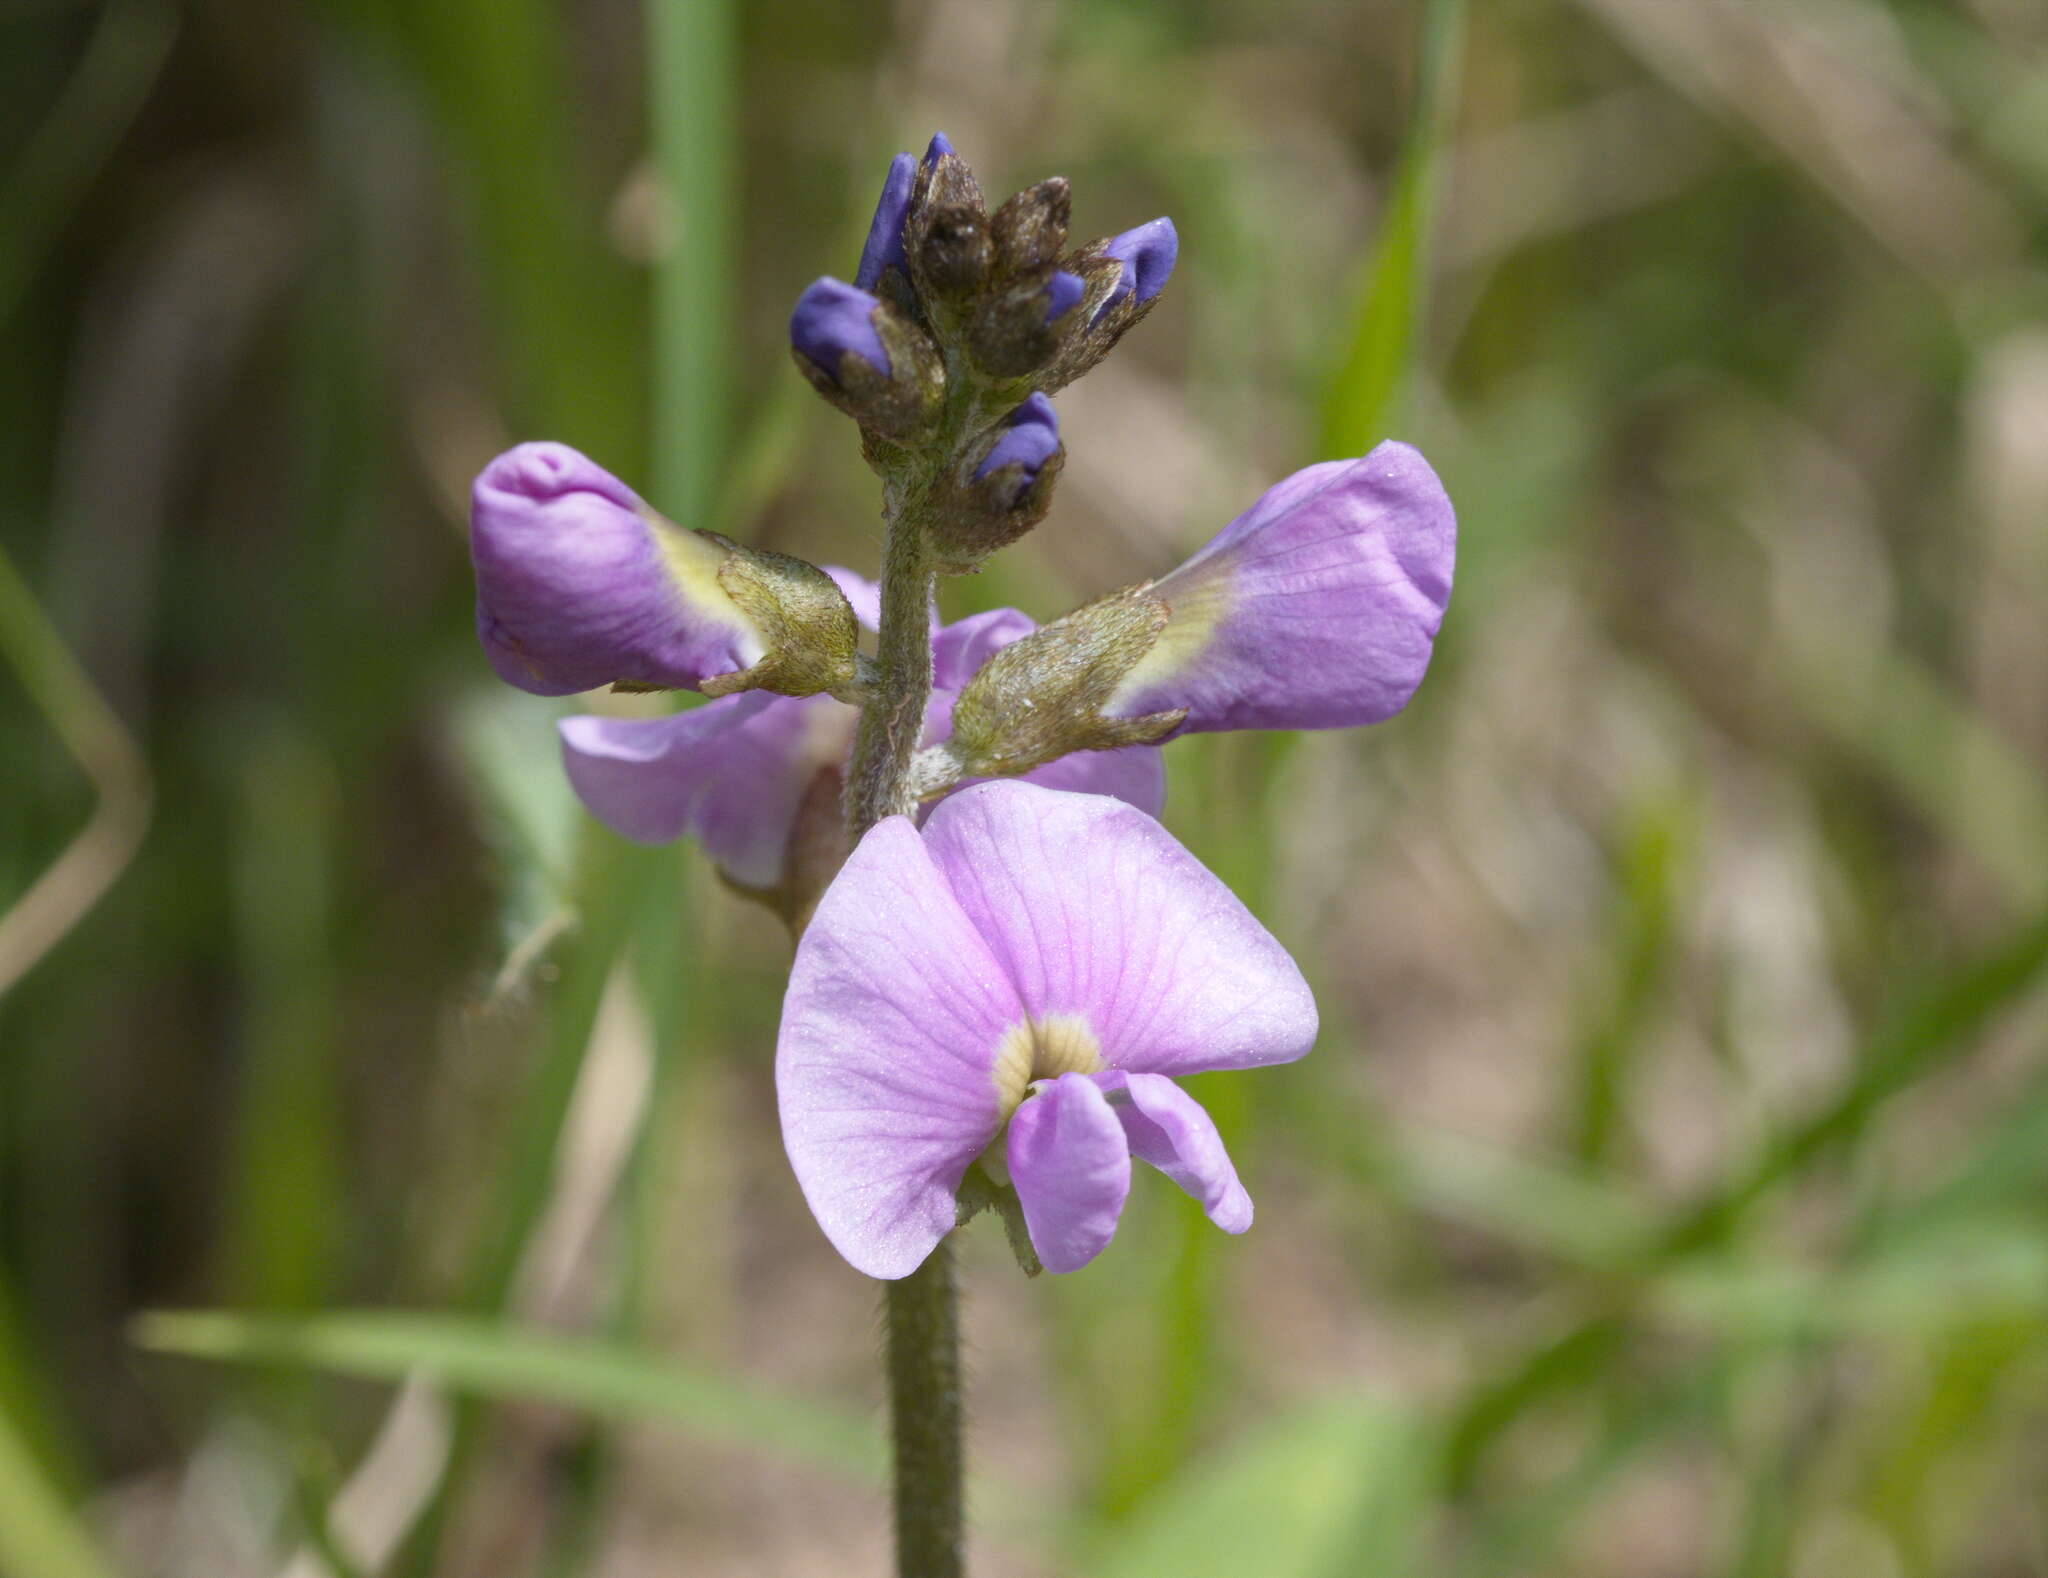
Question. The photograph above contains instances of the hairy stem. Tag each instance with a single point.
(922, 1309)
(925, 1411)
(878, 777)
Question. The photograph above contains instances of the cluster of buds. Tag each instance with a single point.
(957, 326)
(992, 996)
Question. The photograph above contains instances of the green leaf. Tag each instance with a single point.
(489, 1359)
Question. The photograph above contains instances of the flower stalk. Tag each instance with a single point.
(878, 781)
(921, 1312)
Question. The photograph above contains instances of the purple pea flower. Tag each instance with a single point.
(1147, 254)
(1031, 438)
(733, 774)
(832, 318)
(1019, 984)
(1317, 608)
(579, 584)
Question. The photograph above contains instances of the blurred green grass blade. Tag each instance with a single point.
(287, 1207)
(564, 311)
(1955, 764)
(1637, 948)
(1575, 1215)
(26, 1401)
(1574, 1357)
(1970, 1383)
(488, 1359)
(614, 881)
(1771, 1460)
(1937, 1026)
(2005, 1167)
(528, 809)
(610, 893)
(1139, 1424)
(1141, 1444)
(694, 63)
(1391, 299)
(1522, 1534)
(1332, 1489)
(39, 1535)
(78, 136)
(1983, 1270)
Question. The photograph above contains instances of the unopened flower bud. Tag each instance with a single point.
(1146, 255)
(1018, 329)
(884, 248)
(1042, 696)
(580, 584)
(1029, 230)
(947, 234)
(1123, 276)
(1029, 438)
(834, 320)
(1000, 495)
(866, 358)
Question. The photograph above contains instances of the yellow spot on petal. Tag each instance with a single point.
(1033, 1050)
(693, 562)
(1196, 606)
(1043, 1049)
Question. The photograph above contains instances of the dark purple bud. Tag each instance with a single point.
(833, 318)
(1147, 255)
(1033, 438)
(1063, 292)
(937, 150)
(884, 247)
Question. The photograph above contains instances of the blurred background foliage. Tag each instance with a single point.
(1666, 1196)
